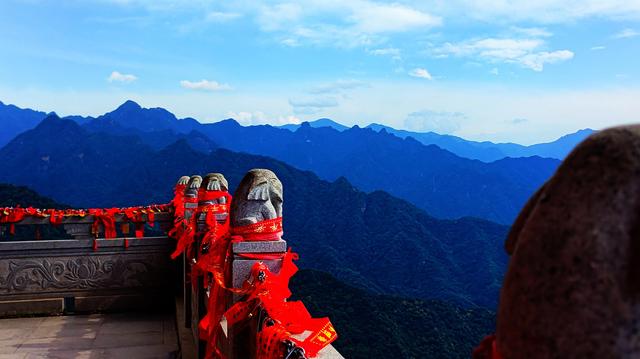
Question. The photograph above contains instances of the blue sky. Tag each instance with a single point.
(497, 70)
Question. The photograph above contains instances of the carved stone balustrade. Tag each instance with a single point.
(44, 276)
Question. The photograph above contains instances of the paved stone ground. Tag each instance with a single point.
(127, 335)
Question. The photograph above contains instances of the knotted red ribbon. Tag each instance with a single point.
(177, 203)
(270, 292)
(186, 228)
(267, 230)
(213, 258)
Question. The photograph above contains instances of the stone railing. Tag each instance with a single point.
(238, 343)
(86, 273)
(48, 276)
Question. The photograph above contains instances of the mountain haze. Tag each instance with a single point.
(364, 239)
(488, 151)
(442, 183)
(445, 185)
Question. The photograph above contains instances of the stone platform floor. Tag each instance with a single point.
(123, 335)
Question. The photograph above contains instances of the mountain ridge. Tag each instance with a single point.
(494, 153)
(438, 181)
(361, 238)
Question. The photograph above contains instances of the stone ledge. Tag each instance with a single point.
(279, 246)
(10, 308)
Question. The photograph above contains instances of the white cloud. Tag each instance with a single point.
(204, 85)
(597, 48)
(436, 121)
(120, 77)
(626, 34)
(532, 31)
(276, 17)
(338, 86)
(536, 61)
(371, 17)
(313, 105)
(494, 71)
(290, 42)
(399, 15)
(260, 118)
(340, 23)
(524, 52)
(539, 11)
(387, 51)
(421, 73)
(222, 17)
(490, 47)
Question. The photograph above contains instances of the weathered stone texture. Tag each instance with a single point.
(572, 289)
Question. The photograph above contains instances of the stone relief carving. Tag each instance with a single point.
(76, 273)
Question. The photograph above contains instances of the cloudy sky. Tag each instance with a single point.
(520, 70)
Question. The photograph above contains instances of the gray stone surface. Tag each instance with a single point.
(260, 247)
(35, 276)
(188, 348)
(572, 289)
(259, 197)
(127, 335)
(241, 267)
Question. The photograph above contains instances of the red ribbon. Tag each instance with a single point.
(267, 230)
(214, 262)
(103, 218)
(186, 228)
(270, 292)
(487, 349)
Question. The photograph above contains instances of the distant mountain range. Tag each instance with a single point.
(372, 241)
(16, 120)
(368, 324)
(445, 185)
(484, 151)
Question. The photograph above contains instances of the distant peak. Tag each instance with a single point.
(305, 124)
(342, 182)
(54, 123)
(229, 121)
(377, 126)
(327, 122)
(129, 105)
(51, 116)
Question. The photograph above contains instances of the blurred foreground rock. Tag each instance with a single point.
(572, 289)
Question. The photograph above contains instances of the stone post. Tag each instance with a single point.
(243, 339)
(190, 207)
